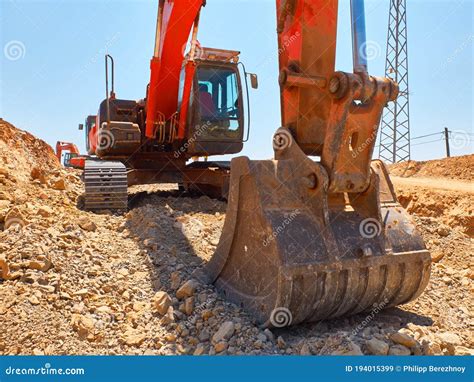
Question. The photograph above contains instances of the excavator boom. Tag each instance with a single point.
(174, 22)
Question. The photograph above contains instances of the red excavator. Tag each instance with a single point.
(72, 158)
(196, 105)
(303, 239)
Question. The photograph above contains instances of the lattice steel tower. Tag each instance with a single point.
(395, 126)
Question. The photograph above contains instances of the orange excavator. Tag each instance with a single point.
(72, 158)
(196, 105)
(313, 234)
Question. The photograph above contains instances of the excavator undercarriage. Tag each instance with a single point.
(105, 186)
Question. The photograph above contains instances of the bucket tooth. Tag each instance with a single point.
(291, 253)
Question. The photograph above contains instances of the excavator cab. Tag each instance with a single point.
(216, 123)
(88, 128)
(67, 159)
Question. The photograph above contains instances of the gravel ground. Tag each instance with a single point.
(73, 282)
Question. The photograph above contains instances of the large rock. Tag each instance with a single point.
(449, 338)
(305, 350)
(38, 174)
(437, 256)
(225, 332)
(430, 348)
(399, 350)
(221, 346)
(200, 349)
(444, 231)
(281, 342)
(377, 347)
(461, 350)
(189, 305)
(5, 269)
(133, 337)
(58, 184)
(187, 289)
(161, 302)
(348, 348)
(449, 341)
(86, 224)
(45, 211)
(204, 335)
(83, 325)
(403, 339)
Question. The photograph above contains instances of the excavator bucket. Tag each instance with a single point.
(291, 252)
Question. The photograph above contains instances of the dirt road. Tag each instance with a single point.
(436, 184)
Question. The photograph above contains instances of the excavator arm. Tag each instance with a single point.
(329, 114)
(174, 22)
(307, 240)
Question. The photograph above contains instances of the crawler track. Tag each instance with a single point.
(106, 186)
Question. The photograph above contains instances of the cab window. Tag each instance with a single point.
(218, 101)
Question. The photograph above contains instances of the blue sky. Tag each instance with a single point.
(56, 77)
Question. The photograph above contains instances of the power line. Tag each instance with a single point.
(428, 135)
(441, 139)
(425, 143)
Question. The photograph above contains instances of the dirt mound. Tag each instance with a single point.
(440, 189)
(29, 171)
(33, 189)
(455, 209)
(461, 168)
(21, 152)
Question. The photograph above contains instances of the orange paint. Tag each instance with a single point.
(177, 20)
